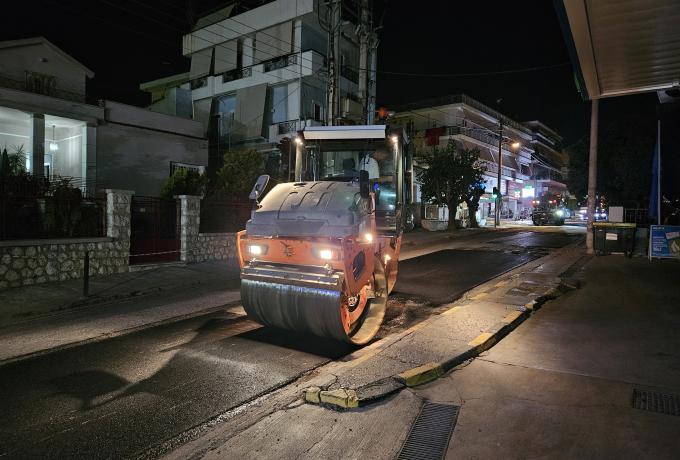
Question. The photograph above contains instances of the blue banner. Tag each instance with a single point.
(664, 241)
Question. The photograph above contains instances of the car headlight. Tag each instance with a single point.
(257, 249)
(559, 213)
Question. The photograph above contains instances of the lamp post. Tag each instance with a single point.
(499, 197)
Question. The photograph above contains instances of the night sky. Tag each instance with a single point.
(126, 42)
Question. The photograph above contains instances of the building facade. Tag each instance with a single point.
(259, 76)
(525, 174)
(45, 119)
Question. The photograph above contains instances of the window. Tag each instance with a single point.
(226, 104)
(279, 103)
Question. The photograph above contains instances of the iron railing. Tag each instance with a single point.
(286, 127)
(280, 62)
(40, 207)
(40, 84)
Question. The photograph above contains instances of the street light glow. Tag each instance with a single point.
(515, 145)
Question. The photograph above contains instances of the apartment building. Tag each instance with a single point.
(259, 75)
(531, 164)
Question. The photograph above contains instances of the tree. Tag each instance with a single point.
(184, 182)
(452, 176)
(472, 178)
(238, 174)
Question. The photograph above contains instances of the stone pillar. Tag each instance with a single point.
(38, 138)
(190, 223)
(118, 222)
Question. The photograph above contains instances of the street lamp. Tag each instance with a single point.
(499, 198)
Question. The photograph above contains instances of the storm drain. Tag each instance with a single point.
(430, 434)
(654, 401)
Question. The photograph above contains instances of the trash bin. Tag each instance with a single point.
(611, 237)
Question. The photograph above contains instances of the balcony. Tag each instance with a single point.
(278, 131)
(45, 85)
(280, 62)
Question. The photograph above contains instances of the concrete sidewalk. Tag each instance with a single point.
(560, 386)
(36, 319)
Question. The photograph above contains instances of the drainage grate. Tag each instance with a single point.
(656, 402)
(430, 434)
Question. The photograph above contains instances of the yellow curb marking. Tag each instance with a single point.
(501, 283)
(421, 374)
(312, 395)
(481, 295)
(480, 339)
(530, 305)
(511, 317)
(451, 311)
(359, 360)
(341, 398)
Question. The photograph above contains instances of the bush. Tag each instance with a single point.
(184, 182)
(62, 208)
(239, 173)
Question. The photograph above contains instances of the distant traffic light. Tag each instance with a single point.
(495, 193)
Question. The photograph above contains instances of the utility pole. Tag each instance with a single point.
(499, 198)
(592, 174)
(364, 36)
(333, 61)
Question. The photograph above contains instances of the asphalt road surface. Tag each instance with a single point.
(443, 276)
(119, 397)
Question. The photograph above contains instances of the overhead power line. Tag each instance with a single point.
(474, 74)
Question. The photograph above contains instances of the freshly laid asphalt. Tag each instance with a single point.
(443, 276)
(118, 397)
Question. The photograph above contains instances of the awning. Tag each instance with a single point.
(621, 47)
(200, 63)
(274, 41)
(225, 56)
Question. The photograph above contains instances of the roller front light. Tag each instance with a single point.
(257, 249)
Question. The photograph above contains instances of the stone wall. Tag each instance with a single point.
(29, 262)
(214, 246)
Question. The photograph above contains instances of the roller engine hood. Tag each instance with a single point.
(310, 209)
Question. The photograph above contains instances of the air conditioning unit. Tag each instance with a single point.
(352, 109)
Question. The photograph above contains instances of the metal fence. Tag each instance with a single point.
(37, 207)
(220, 216)
(638, 216)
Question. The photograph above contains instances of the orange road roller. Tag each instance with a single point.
(319, 255)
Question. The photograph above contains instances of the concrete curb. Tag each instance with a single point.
(346, 399)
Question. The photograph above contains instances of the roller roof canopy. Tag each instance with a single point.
(345, 132)
(621, 47)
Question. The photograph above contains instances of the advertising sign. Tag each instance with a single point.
(664, 241)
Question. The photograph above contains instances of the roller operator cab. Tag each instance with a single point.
(320, 255)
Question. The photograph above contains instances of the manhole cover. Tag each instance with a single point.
(654, 401)
(430, 434)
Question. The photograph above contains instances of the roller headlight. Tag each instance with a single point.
(257, 249)
(325, 253)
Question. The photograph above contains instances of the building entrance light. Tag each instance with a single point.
(53, 144)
